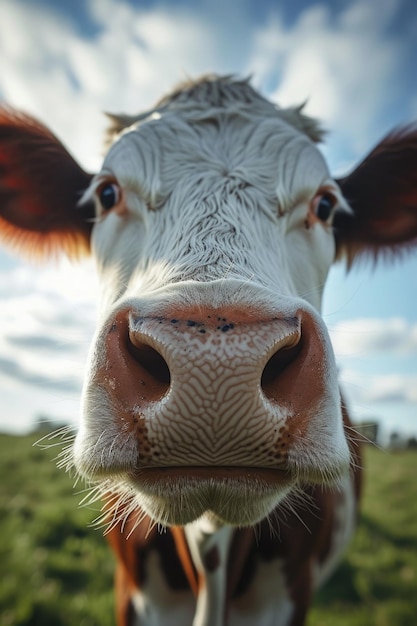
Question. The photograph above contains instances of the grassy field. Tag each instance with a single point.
(52, 564)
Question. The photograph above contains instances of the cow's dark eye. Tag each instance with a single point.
(324, 206)
(109, 196)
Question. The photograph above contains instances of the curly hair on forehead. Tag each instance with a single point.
(211, 91)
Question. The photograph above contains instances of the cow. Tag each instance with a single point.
(213, 424)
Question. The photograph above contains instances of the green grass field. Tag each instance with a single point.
(53, 564)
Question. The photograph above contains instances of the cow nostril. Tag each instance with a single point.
(151, 361)
(277, 364)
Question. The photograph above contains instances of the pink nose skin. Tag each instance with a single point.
(213, 389)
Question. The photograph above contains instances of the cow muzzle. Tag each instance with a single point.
(211, 409)
(216, 389)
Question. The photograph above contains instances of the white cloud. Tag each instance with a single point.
(392, 388)
(345, 67)
(359, 344)
(67, 80)
(365, 337)
(47, 321)
(387, 388)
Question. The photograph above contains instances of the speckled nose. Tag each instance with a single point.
(204, 389)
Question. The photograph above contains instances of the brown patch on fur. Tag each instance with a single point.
(125, 613)
(40, 186)
(185, 558)
(382, 192)
(132, 547)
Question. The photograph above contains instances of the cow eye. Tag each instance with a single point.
(109, 195)
(323, 206)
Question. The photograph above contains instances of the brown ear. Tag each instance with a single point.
(382, 192)
(40, 186)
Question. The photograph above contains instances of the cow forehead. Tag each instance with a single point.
(153, 156)
(218, 192)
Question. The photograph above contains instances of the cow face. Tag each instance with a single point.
(212, 384)
(212, 387)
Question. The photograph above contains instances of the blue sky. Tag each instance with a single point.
(66, 62)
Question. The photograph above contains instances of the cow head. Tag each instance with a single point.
(212, 387)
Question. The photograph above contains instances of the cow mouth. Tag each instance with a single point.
(158, 475)
(234, 495)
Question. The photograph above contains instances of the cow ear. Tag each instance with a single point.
(382, 193)
(40, 186)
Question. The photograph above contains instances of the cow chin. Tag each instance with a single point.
(238, 501)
